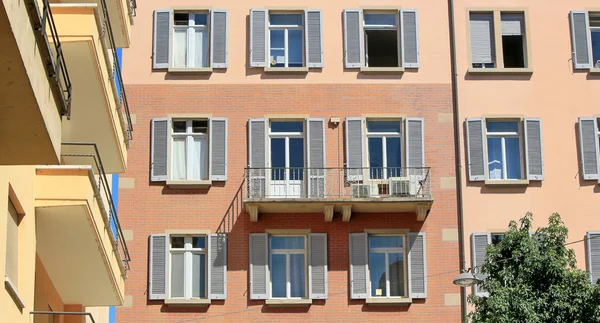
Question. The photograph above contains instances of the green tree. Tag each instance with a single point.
(533, 279)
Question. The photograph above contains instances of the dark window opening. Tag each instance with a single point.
(381, 48)
(514, 53)
(496, 238)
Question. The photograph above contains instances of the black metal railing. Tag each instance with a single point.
(117, 77)
(56, 66)
(323, 183)
(64, 314)
(104, 192)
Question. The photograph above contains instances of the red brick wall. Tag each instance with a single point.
(152, 208)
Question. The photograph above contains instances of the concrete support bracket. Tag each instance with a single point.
(253, 210)
(328, 212)
(346, 212)
(421, 211)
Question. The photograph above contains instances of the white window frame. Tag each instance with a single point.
(191, 40)
(380, 27)
(188, 251)
(387, 251)
(288, 252)
(503, 136)
(189, 135)
(384, 136)
(286, 29)
(287, 136)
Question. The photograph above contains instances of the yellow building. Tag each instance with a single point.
(64, 129)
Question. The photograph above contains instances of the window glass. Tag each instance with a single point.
(502, 126)
(177, 242)
(198, 275)
(287, 243)
(393, 157)
(494, 146)
(278, 19)
(201, 47)
(179, 126)
(198, 165)
(297, 280)
(179, 159)
(295, 50)
(380, 19)
(200, 19)
(278, 158)
(287, 126)
(296, 158)
(278, 275)
(177, 275)
(383, 126)
(200, 126)
(385, 242)
(596, 47)
(396, 270)
(181, 19)
(513, 158)
(180, 47)
(376, 157)
(277, 47)
(199, 242)
(377, 274)
(496, 238)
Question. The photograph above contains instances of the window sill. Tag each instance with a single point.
(286, 69)
(595, 70)
(389, 301)
(382, 70)
(187, 302)
(288, 302)
(507, 71)
(203, 70)
(12, 290)
(514, 182)
(189, 184)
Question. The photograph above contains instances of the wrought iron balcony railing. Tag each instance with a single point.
(413, 183)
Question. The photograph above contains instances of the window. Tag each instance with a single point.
(286, 39)
(387, 266)
(12, 246)
(288, 266)
(287, 146)
(496, 238)
(381, 39)
(190, 40)
(384, 142)
(189, 150)
(512, 49)
(595, 38)
(589, 149)
(188, 261)
(504, 150)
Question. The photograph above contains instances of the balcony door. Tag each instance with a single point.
(287, 146)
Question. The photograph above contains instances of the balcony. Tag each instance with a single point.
(100, 111)
(344, 190)
(77, 228)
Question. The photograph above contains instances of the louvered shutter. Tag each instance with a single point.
(513, 24)
(415, 142)
(258, 37)
(475, 151)
(259, 262)
(354, 148)
(219, 38)
(159, 269)
(479, 245)
(218, 149)
(314, 38)
(482, 38)
(353, 38)
(317, 265)
(217, 266)
(316, 157)
(588, 148)
(534, 152)
(593, 253)
(257, 157)
(161, 130)
(358, 266)
(580, 39)
(162, 38)
(409, 20)
(417, 265)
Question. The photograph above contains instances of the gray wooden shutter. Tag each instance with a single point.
(513, 24)
(258, 37)
(580, 39)
(475, 151)
(355, 148)
(409, 22)
(158, 267)
(316, 157)
(259, 266)
(353, 38)
(219, 38)
(593, 254)
(218, 149)
(534, 152)
(159, 168)
(417, 265)
(358, 266)
(217, 266)
(482, 37)
(314, 38)
(317, 266)
(257, 157)
(588, 148)
(162, 38)
(415, 142)
(479, 245)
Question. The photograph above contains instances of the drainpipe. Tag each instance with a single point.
(457, 155)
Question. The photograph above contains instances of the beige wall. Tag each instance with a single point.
(556, 94)
(433, 36)
(46, 296)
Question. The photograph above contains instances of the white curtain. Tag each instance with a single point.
(179, 159)
(198, 162)
(200, 48)
(180, 47)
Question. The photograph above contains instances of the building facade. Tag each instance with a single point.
(528, 99)
(290, 163)
(65, 128)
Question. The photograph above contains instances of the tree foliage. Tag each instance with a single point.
(534, 278)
